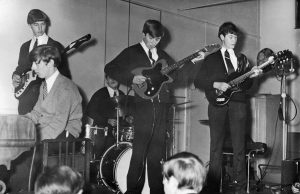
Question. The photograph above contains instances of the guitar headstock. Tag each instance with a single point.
(283, 57)
(207, 50)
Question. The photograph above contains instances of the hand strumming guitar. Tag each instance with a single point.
(138, 79)
(221, 86)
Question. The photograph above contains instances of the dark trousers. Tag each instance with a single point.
(235, 114)
(148, 147)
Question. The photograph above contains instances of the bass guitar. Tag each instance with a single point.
(221, 98)
(157, 75)
(29, 78)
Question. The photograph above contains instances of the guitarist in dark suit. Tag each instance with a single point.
(150, 115)
(213, 76)
(38, 21)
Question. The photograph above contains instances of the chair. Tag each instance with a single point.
(252, 149)
(74, 153)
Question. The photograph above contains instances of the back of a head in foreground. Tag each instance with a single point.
(59, 180)
(187, 169)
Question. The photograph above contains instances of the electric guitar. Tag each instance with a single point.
(221, 98)
(157, 75)
(29, 78)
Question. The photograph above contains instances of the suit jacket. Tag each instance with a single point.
(101, 108)
(60, 110)
(213, 70)
(131, 58)
(28, 99)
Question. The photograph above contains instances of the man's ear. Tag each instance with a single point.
(222, 37)
(173, 181)
(51, 63)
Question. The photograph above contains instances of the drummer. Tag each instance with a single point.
(101, 112)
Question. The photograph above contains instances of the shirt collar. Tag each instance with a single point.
(230, 51)
(41, 40)
(50, 81)
(111, 91)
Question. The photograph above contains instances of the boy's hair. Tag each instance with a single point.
(59, 180)
(188, 169)
(228, 28)
(153, 28)
(45, 53)
(36, 15)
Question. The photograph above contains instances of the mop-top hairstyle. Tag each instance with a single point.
(59, 180)
(187, 169)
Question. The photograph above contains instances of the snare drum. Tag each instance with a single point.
(126, 134)
(114, 167)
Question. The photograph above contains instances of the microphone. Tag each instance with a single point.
(78, 42)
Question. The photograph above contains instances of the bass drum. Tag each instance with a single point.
(114, 167)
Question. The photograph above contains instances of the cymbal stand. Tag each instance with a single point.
(118, 124)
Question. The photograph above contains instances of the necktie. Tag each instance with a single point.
(150, 56)
(45, 92)
(228, 63)
(115, 93)
(35, 43)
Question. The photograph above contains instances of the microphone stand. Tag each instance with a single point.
(284, 114)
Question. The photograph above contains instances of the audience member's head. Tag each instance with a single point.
(59, 180)
(183, 173)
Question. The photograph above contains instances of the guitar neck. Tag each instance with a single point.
(241, 78)
(179, 63)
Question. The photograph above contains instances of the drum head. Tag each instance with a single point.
(114, 166)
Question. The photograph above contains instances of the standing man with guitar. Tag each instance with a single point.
(150, 115)
(39, 23)
(212, 77)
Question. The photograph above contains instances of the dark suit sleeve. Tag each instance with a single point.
(204, 78)
(95, 109)
(23, 62)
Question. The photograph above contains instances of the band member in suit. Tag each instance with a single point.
(39, 22)
(102, 110)
(150, 115)
(57, 113)
(212, 76)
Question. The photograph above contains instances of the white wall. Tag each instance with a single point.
(277, 31)
(70, 20)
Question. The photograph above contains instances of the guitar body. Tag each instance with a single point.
(27, 80)
(155, 79)
(157, 76)
(224, 97)
(220, 98)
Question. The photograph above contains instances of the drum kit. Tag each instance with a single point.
(113, 165)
